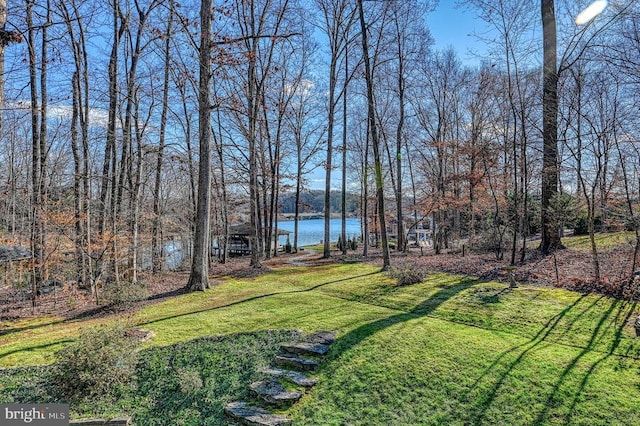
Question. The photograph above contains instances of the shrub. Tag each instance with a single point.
(632, 223)
(407, 273)
(563, 210)
(123, 294)
(581, 226)
(491, 241)
(98, 364)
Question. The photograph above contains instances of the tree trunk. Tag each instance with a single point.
(254, 193)
(156, 240)
(326, 253)
(343, 231)
(39, 151)
(399, 136)
(77, 179)
(386, 261)
(224, 244)
(365, 195)
(199, 278)
(550, 236)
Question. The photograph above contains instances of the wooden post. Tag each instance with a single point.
(512, 279)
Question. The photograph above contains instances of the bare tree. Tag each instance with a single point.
(6, 38)
(199, 277)
(550, 235)
(80, 141)
(39, 105)
(156, 236)
(304, 124)
(386, 260)
(338, 17)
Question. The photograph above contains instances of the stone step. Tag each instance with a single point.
(293, 376)
(254, 416)
(274, 393)
(120, 421)
(323, 337)
(296, 362)
(305, 348)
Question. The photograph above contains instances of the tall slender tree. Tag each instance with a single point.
(386, 259)
(338, 17)
(199, 277)
(156, 236)
(550, 235)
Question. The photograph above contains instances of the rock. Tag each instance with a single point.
(121, 421)
(296, 362)
(274, 393)
(322, 337)
(293, 376)
(305, 348)
(254, 416)
(141, 334)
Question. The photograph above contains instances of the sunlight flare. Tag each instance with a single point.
(593, 10)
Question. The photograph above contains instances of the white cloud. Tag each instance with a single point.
(97, 116)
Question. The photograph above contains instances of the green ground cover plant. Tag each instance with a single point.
(186, 383)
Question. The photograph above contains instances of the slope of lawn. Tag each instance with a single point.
(450, 350)
(187, 383)
(603, 240)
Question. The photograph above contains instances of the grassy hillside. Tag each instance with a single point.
(450, 350)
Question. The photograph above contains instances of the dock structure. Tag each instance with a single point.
(240, 241)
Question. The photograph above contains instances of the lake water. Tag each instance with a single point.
(312, 230)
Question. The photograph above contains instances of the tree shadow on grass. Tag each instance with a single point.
(13, 330)
(534, 342)
(258, 297)
(4, 355)
(355, 337)
(597, 334)
(622, 306)
(169, 294)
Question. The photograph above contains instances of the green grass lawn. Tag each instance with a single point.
(450, 350)
(604, 240)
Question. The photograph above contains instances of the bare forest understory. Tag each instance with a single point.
(566, 268)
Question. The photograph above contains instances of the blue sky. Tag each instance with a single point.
(449, 26)
(455, 26)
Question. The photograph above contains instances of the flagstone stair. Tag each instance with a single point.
(299, 358)
(254, 416)
(273, 392)
(294, 377)
(305, 348)
(296, 362)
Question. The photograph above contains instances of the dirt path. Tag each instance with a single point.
(302, 260)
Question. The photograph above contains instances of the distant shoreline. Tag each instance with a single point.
(312, 216)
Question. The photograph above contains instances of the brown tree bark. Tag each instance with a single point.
(156, 232)
(199, 277)
(386, 260)
(550, 236)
